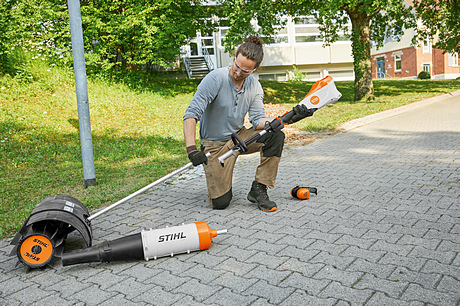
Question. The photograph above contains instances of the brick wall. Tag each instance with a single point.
(424, 58)
(440, 62)
(408, 63)
(412, 62)
(449, 69)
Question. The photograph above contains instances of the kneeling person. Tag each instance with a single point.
(221, 102)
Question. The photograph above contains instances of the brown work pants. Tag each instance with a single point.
(219, 179)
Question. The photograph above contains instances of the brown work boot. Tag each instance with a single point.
(258, 194)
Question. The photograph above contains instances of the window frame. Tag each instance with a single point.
(397, 59)
(453, 59)
(427, 68)
(310, 24)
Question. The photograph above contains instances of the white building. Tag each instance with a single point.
(299, 43)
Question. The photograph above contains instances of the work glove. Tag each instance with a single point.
(275, 125)
(196, 157)
(301, 112)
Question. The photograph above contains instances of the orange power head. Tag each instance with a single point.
(319, 84)
(322, 93)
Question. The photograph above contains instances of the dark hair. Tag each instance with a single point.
(252, 48)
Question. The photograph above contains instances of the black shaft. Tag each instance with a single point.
(275, 125)
(252, 139)
(122, 249)
(285, 118)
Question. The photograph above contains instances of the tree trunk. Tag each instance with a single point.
(364, 87)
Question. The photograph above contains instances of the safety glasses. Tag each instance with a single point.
(245, 72)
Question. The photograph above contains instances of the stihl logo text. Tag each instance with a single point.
(170, 237)
(39, 242)
(32, 256)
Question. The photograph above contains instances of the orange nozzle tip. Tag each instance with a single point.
(205, 234)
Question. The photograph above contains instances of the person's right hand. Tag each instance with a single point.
(196, 157)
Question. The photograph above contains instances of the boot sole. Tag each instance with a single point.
(253, 200)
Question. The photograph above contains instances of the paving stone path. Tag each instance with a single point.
(384, 228)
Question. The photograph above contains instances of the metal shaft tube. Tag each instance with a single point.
(235, 151)
(161, 180)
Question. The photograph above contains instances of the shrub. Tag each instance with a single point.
(295, 75)
(424, 75)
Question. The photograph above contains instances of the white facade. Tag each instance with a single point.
(299, 43)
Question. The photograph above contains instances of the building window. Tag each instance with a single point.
(397, 63)
(342, 74)
(272, 76)
(426, 67)
(305, 20)
(280, 37)
(453, 59)
(224, 25)
(306, 30)
(427, 46)
(313, 75)
(343, 37)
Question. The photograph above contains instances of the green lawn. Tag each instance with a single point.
(136, 128)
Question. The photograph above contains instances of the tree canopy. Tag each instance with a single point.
(132, 34)
(372, 20)
(125, 34)
(440, 19)
(6, 20)
(141, 32)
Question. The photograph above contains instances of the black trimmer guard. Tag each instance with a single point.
(42, 236)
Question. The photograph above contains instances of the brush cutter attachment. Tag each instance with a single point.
(42, 236)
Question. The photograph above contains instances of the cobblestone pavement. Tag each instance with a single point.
(384, 229)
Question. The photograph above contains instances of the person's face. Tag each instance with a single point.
(242, 67)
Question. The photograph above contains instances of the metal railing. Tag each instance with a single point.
(382, 75)
(207, 58)
(187, 65)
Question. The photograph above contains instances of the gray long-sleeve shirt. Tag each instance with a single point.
(221, 108)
